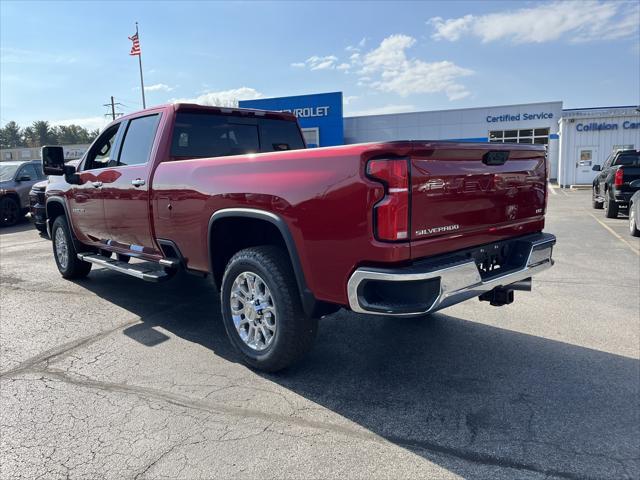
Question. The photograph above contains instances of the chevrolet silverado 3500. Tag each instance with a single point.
(290, 234)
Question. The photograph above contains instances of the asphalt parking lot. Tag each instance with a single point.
(111, 377)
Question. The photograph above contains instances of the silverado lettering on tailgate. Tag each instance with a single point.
(431, 231)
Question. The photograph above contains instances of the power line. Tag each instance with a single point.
(113, 113)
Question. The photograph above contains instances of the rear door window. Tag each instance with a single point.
(138, 140)
(210, 135)
(278, 135)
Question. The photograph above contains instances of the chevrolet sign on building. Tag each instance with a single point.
(320, 115)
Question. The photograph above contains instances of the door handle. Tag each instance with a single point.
(96, 184)
(138, 182)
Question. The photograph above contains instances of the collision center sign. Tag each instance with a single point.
(598, 126)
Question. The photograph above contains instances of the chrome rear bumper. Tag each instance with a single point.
(451, 282)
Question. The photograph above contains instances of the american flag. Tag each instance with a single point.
(135, 48)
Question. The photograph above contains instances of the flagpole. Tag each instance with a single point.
(144, 103)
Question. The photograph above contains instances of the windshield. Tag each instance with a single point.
(7, 172)
(211, 135)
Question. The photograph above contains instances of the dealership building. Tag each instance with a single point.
(576, 139)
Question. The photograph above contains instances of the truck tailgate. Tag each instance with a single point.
(462, 195)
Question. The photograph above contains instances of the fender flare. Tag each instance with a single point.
(76, 243)
(307, 298)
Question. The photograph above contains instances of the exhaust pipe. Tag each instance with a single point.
(522, 285)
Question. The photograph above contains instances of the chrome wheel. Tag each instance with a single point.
(253, 311)
(62, 250)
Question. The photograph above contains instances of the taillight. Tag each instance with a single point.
(391, 214)
(618, 179)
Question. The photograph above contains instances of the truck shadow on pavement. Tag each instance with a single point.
(469, 397)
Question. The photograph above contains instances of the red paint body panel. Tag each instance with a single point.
(321, 194)
(325, 198)
(452, 187)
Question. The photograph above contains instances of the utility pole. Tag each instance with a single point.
(113, 113)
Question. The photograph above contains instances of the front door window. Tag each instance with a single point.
(101, 153)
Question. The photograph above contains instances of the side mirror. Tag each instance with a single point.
(596, 168)
(53, 160)
(635, 184)
(24, 178)
(70, 175)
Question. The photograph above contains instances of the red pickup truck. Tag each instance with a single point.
(288, 235)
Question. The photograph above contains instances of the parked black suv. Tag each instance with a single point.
(611, 187)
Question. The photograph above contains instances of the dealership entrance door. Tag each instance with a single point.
(585, 159)
(311, 137)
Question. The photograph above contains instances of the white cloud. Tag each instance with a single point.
(90, 123)
(361, 44)
(382, 110)
(315, 62)
(158, 87)
(22, 56)
(222, 98)
(590, 20)
(322, 63)
(350, 98)
(387, 68)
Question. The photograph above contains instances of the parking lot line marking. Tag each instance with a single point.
(551, 189)
(613, 232)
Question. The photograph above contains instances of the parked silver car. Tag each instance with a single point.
(16, 180)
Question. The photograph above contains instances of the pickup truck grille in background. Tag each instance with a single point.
(36, 197)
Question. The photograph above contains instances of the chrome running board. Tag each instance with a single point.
(146, 271)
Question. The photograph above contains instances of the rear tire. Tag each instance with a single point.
(64, 251)
(267, 326)
(633, 222)
(9, 212)
(595, 203)
(610, 206)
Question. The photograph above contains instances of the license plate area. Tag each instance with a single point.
(499, 258)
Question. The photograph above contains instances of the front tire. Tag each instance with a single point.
(261, 309)
(595, 203)
(9, 212)
(64, 251)
(610, 206)
(633, 222)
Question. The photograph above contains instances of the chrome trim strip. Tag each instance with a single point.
(457, 283)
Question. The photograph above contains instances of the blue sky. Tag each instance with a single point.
(61, 61)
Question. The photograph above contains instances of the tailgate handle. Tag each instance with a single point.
(496, 157)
